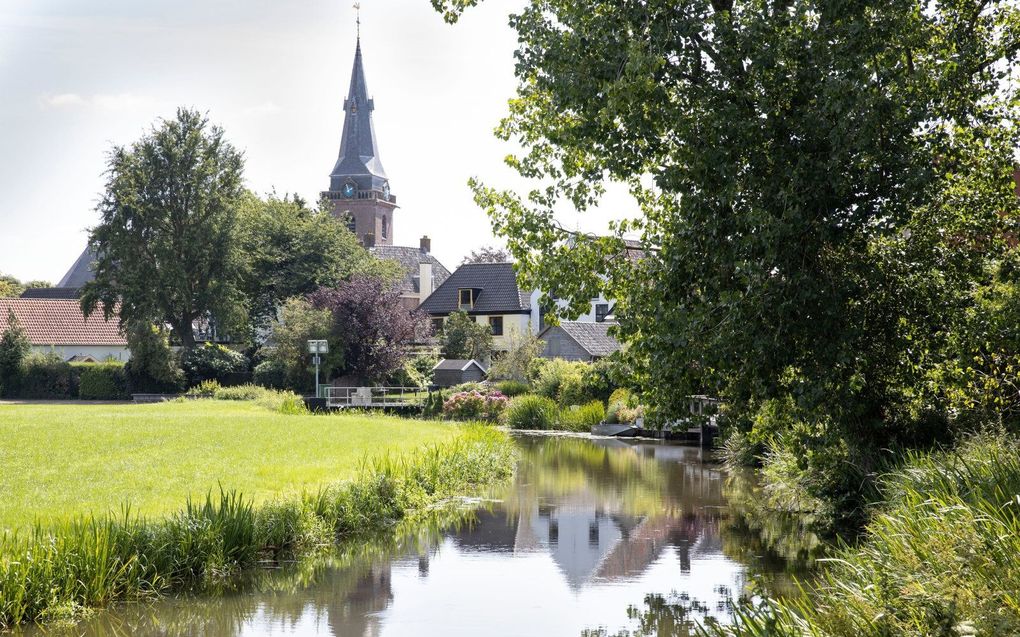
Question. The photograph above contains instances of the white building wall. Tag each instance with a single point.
(512, 323)
(98, 352)
(587, 317)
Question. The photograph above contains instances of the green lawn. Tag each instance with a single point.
(60, 460)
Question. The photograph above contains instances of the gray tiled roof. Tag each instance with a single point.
(410, 259)
(80, 273)
(497, 291)
(359, 154)
(593, 337)
(50, 293)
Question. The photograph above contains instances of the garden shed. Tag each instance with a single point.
(450, 372)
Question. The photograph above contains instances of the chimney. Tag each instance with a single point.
(424, 280)
(426, 245)
(369, 240)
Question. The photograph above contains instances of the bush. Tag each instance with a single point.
(270, 373)
(475, 405)
(14, 349)
(211, 362)
(624, 397)
(415, 372)
(153, 367)
(205, 388)
(516, 362)
(582, 417)
(511, 388)
(598, 380)
(531, 412)
(240, 392)
(46, 376)
(102, 381)
(433, 405)
(560, 380)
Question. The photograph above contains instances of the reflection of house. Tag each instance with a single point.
(488, 293)
(58, 325)
(579, 341)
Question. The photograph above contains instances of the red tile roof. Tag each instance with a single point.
(60, 322)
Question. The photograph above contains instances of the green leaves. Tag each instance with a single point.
(819, 187)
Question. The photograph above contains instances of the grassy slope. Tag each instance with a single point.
(61, 460)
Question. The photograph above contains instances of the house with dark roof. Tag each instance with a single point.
(423, 273)
(579, 341)
(489, 294)
(58, 325)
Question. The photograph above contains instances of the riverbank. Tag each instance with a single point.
(59, 461)
(60, 571)
(940, 556)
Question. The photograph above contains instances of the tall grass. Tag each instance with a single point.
(941, 558)
(51, 573)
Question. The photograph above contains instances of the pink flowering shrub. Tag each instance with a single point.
(475, 405)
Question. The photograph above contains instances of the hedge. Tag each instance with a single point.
(103, 381)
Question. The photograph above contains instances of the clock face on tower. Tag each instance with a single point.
(348, 190)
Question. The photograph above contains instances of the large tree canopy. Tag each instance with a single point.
(820, 184)
(165, 241)
(290, 250)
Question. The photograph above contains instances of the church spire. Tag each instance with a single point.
(358, 162)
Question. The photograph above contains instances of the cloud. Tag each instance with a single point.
(64, 99)
(106, 102)
(265, 108)
(120, 102)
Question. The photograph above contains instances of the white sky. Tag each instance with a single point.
(77, 76)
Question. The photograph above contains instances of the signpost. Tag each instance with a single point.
(317, 348)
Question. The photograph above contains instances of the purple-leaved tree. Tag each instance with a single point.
(370, 325)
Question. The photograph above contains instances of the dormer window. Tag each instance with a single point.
(601, 312)
(466, 298)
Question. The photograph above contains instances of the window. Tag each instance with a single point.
(601, 312)
(466, 298)
(437, 326)
(385, 226)
(496, 323)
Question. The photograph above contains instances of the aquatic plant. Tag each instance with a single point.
(942, 557)
(56, 572)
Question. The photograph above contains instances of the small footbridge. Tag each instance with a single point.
(372, 397)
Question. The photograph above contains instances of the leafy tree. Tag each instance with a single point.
(300, 322)
(820, 184)
(465, 338)
(11, 287)
(165, 241)
(290, 250)
(153, 366)
(487, 254)
(515, 363)
(370, 326)
(14, 349)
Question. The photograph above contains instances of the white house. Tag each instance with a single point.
(488, 293)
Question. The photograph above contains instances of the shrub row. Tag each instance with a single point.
(48, 377)
(56, 573)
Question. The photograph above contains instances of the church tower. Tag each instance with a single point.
(358, 188)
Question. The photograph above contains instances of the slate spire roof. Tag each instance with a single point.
(359, 153)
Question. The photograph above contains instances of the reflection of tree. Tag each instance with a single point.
(671, 615)
(777, 546)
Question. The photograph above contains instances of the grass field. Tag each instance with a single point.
(57, 461)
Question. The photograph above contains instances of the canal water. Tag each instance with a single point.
(589, 529)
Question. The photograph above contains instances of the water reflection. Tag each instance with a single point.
(587, 528)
